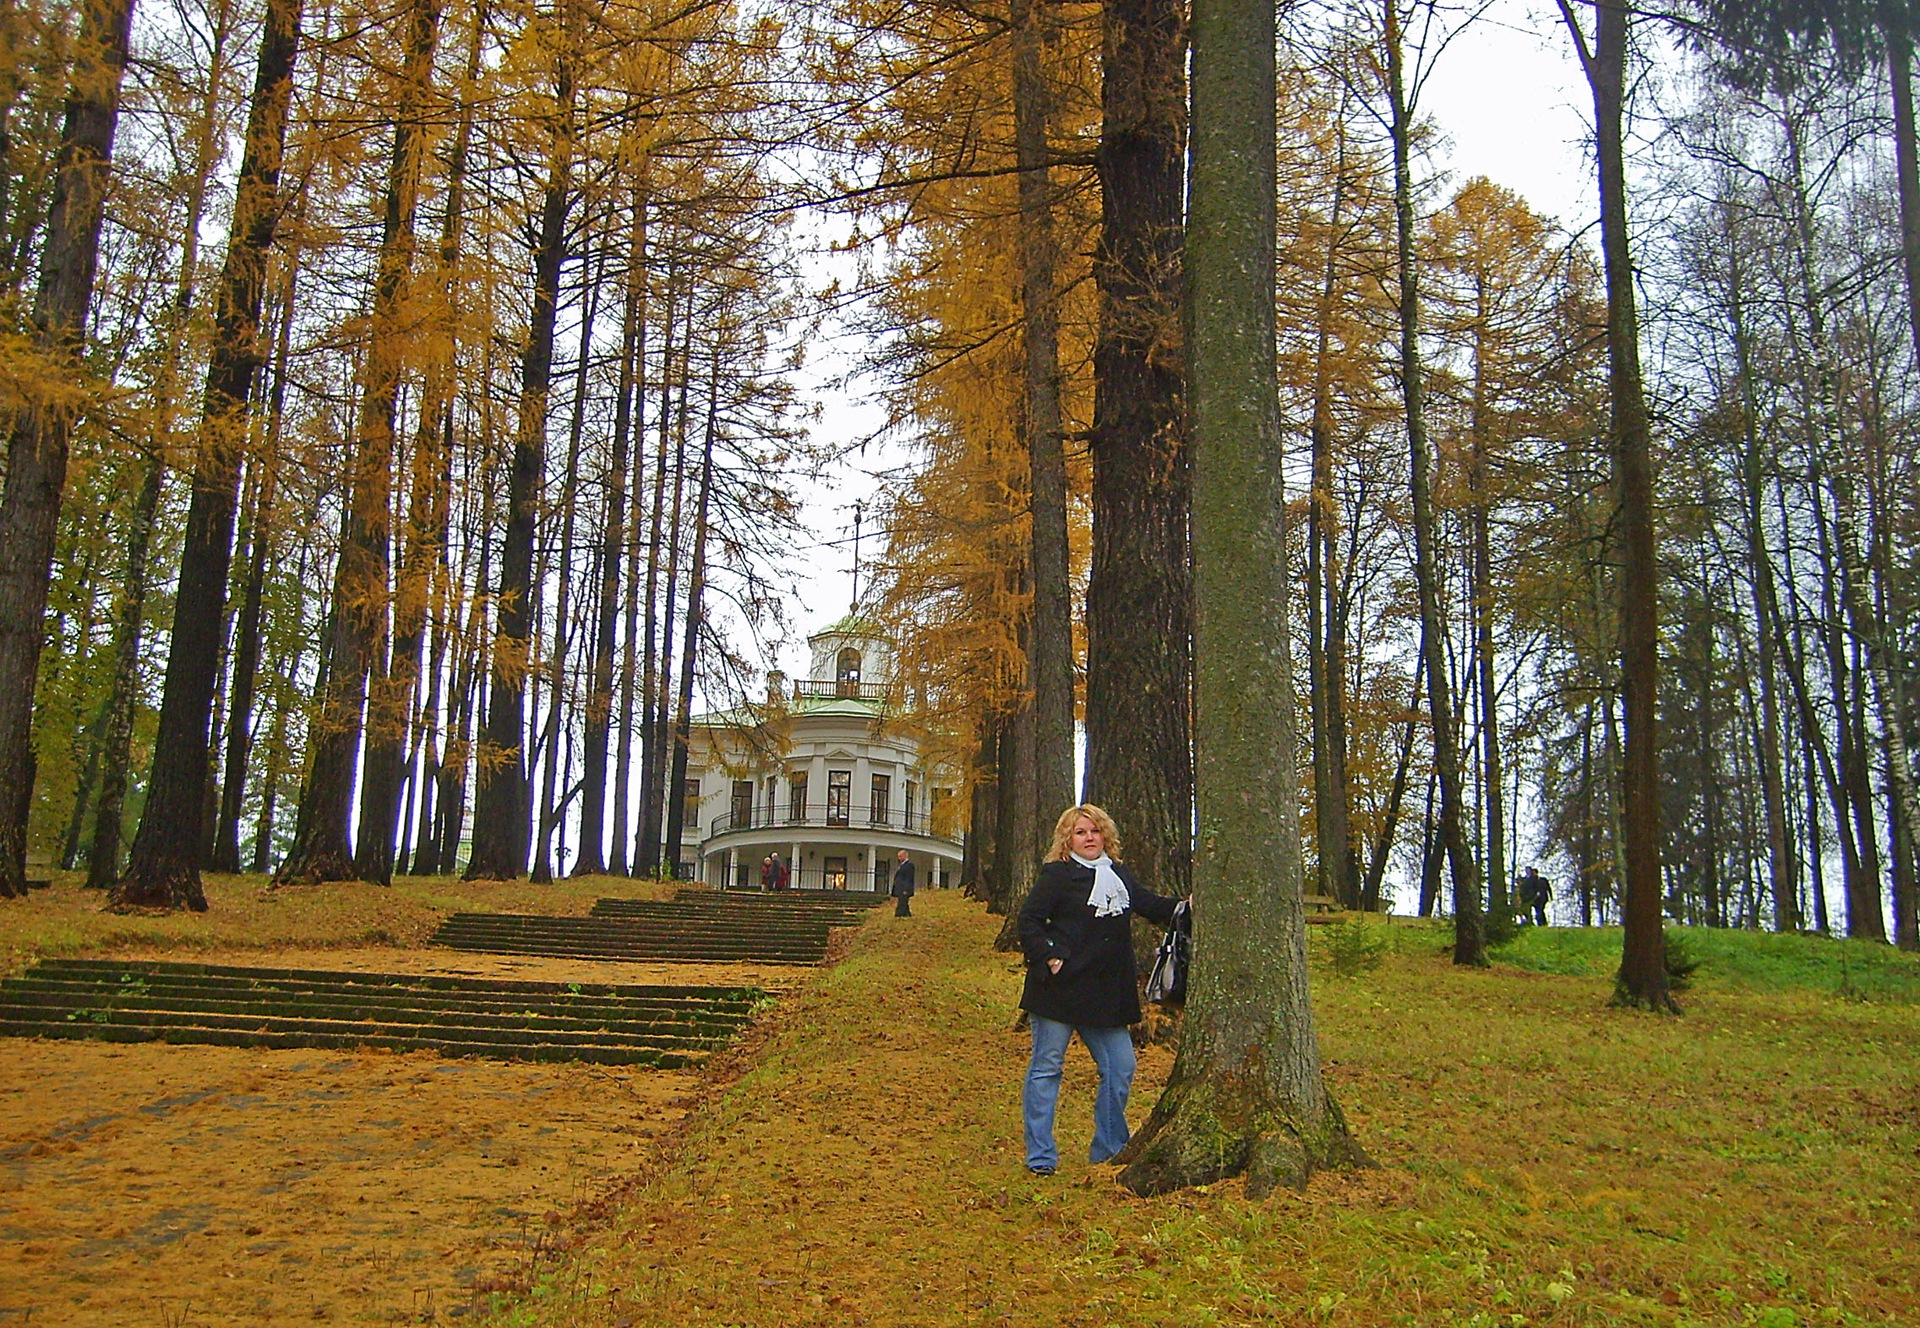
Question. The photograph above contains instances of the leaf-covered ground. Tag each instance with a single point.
(1544, 1160)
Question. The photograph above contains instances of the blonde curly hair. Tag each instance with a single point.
(1063, 831)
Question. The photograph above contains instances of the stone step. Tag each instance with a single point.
(744, 997)
(628, 939)
(23, 995)
(130, 1001)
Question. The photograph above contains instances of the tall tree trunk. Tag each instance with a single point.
(1246, 1094)
(359, 678)
(666, 530)
(552, 802)
(1326, 666)
(164, 870)
(1469, 924)
(689, 651)
(103, 859)
(1480, 476)
(1906, 156)
(500, 808)
(37, 450)
(613, 547)
(1139, 590)
(1050, 637)
(246, 664)
(1643, 964)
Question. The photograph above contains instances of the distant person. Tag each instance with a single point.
(1534, 894)
(1076, 930)
(769, 875)
(782, 874)
(902, 885)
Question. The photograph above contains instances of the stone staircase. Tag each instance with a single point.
(141, 1001)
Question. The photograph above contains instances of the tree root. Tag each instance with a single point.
(171, 890)
(1201, 1138)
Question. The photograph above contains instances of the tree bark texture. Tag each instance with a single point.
(1139, 612)
(1246, 1094)
(164, 869)
(37, 449)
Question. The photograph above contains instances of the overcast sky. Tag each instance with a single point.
(1510, 104)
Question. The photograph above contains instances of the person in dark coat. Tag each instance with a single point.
(1076, 930)
(902, 885)
(1534, 895)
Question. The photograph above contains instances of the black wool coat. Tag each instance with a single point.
(1096, 986)
(902, 879)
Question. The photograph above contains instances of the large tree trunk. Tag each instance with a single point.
(1050, 634)
(500, 808)
(1246, 1094)
(1469, 923)
(164, 870)
(1643, 962)
(37, 450)
(1139, 613)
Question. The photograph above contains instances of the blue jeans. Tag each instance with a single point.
(1112, 1050)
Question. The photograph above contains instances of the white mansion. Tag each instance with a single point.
(816, 777)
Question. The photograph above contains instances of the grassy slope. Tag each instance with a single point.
(67, 918)
(1546, 1160)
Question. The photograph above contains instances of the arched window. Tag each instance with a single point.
(847, 676)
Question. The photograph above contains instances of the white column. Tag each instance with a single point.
(728, 879)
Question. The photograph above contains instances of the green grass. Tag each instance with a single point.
(1546, 1160)
(1734, 961)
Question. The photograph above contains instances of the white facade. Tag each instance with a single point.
(818, 780)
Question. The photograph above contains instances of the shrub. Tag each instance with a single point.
(1354, 947)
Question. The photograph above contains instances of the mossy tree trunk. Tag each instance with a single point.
(1246, 1095)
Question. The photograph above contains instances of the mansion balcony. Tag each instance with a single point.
(775, 822)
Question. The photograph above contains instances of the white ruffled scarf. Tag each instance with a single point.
(1109, 891)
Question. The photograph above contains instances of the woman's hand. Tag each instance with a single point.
(1053, 966)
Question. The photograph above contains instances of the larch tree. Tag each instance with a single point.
(39, 440)
(164, 867)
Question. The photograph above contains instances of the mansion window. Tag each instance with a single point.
(690, 806)
(835, 870)
(742, 804)
(882, 799)
(839, 799)
(847, 672)
(797, 796)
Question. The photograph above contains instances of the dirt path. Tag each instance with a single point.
(164, 1186)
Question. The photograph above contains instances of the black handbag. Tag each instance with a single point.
(1167, 983)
